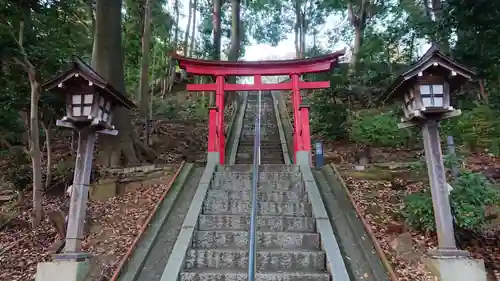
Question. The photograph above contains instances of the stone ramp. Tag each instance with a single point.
(363, 263)
(151, 256)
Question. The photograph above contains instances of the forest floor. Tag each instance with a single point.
(380, 201)
(114, 223)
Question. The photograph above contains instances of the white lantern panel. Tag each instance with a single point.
(105, 117)
(87, 110)
(437, 89)
(108, 106)
(76, 99)
(76, 111)
(101, 102)
(438, 101)
(427, 101)
(88, 99)
(425, 90)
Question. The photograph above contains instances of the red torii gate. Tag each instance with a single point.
(293, 68)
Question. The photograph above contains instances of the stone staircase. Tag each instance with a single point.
(288, 247)
(271, 151)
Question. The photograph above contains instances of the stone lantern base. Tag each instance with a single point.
(62, 271)
(448, 268)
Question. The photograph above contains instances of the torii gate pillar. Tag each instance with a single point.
(292, 68)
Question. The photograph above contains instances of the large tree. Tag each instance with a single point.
(107, 60)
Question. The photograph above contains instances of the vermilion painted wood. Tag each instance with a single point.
(258, 87)
(297, 122)
(212, 130)
(219, 94)
(293, 68)
(306, 132)
(249, 68)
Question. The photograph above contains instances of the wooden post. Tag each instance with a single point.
(212, 129)
(296, 114)
(439, 189)
(80, 191)
(219, 94)
(306, 131)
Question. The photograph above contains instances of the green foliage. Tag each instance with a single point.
(377, 129)
(476, 128)
(418, 211)
(165, 109)
(328, 116)
(470, 196)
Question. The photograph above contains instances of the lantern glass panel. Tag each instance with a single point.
(76, 99)
(438, 101)
(76, 111)
(88, 99)
(101, 102)
(432, 95)
(87, 110)
(437, 89)
(425, 90)
(108, 106)
(105, 117)
(427, 101)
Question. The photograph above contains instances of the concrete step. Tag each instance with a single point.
(275, 260)
(242, 275)
(239, 207)
(239, 239)
(264, 223)
(263, 195)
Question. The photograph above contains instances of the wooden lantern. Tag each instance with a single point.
(427, 86)
(90, 100)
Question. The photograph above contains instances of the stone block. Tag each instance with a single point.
(103, 189)
(456, 268)
(62, 271)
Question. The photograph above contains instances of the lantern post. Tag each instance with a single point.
(425, 90)
(90, 102)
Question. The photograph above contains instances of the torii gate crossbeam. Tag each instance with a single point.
(293, 68)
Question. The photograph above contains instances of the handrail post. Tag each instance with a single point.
(252, 245)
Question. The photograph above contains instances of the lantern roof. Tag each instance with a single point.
(436, 63)
(78, 68)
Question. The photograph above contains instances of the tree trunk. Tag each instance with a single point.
(47, 128)
(176, 34)
(193, 31)
(33, 128)
(216, 22)
(107, 60)
(358, 41)
(234, 51)
(188, 28)
(144, 81)
(358, 21)
(34, 152)
(217, 29)
(297, 29)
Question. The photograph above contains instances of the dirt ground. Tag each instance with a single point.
(114, 224)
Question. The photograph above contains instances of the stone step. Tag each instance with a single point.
(242, 275)
(264, 223)
(239, 207)
(275, 260)
(239, 239)
(263, 195)
(247, 184)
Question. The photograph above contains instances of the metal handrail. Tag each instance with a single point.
(252, 245)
